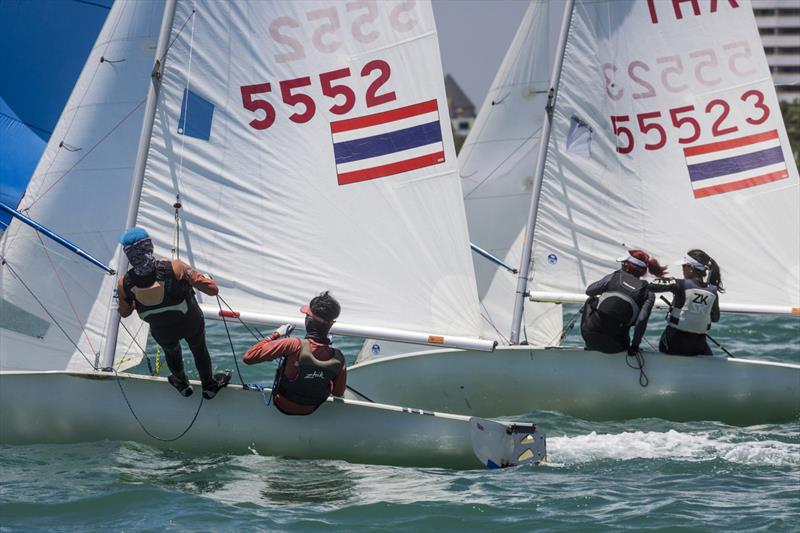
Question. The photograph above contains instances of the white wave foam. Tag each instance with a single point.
(566, 451)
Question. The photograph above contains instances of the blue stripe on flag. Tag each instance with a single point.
(739, 163)
(387, 143)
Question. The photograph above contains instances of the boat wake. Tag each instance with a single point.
(673, 445)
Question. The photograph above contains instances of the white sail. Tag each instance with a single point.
(80, 190)
(291, 172)
(497, 163)
(667, 136)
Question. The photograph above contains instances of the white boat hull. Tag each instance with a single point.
(518, 379)
(61, 407)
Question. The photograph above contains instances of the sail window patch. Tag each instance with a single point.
(579, 138)
(196, 116)
(14, 318)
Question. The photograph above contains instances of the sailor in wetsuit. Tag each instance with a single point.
(162, 293)
(311, 370)
(695, 305)
(617, 302)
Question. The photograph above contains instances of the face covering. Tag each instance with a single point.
(140, 256)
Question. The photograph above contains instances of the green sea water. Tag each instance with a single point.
(645, 474)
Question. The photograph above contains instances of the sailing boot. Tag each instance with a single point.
(220, 380)
(182, 385)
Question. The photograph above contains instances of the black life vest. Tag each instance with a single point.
(622, 299)
(312, 386)
(177, 300)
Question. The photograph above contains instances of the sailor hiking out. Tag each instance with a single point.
(695, 305)
(617, 302)
(162, 293)
(311, 369)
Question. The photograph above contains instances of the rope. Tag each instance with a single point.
(66, 293)
(230, 341)
(569, 326)
(639, 357)
(141, 425)
(184, 111)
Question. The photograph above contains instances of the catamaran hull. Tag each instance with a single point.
(60, 407)
(585, 384)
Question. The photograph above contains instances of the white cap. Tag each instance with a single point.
(632, 260)
(694, 263)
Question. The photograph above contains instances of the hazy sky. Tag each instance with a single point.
(474, 36)
(44, 44)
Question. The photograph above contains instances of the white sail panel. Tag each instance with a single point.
(667, 136)
(316, 155)
(80, 190)
(497, 163)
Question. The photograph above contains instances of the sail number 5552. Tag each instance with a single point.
(332, 84)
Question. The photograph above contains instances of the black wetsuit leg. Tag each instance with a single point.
(202, 359)
(172, 349)
(676, 342)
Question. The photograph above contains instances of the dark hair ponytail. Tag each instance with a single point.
(714, 274)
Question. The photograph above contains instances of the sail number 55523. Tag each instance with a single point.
(684, 122)
(333, 85)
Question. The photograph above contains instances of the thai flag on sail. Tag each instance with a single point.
(386, 143)
(735, 164)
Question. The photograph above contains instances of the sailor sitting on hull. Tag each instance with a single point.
(311, 370)
(695, 305)
(162, 293)
(617, 302)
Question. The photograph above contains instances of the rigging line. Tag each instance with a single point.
(176, 37)
(66, 294)
(15, 119)
(80, 103)
(230, 341)
(141, 425)
(70, 169)
(184, 111)
(501, 163)
(488, 318)
(257, 337)
(133, 338)
(569, 326)
(4, 261)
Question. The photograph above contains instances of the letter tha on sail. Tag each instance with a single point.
(391, 142)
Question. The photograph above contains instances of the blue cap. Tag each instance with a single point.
(132, 235)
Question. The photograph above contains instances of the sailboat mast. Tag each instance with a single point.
(525, 264)
(112, 324)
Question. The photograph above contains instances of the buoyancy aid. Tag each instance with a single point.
(312, 386)
(622, 298)
(167, 299)
(694, 316)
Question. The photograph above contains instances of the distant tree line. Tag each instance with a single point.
(791, 118)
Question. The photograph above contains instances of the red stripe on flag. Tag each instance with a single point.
(392, 168)
(741, 184)
(384, 117)
(732, 143)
